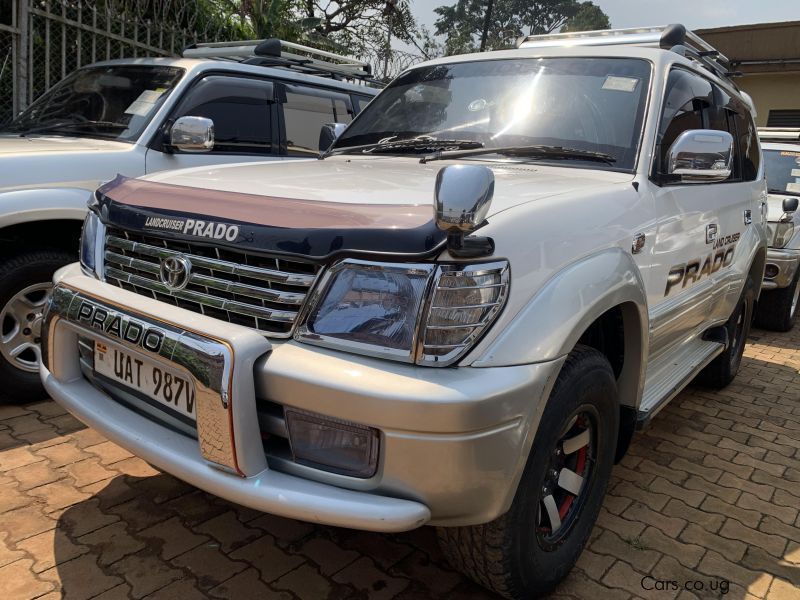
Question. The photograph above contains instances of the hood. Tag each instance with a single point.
(45, 160)
(319, 208)
(53, 144)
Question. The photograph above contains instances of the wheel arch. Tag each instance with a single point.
(42, 218)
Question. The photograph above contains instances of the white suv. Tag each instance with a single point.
(779, 303)
(507, 263)
(137, 116)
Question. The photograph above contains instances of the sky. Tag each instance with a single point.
(695, 14)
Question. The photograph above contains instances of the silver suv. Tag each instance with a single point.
(137, 116)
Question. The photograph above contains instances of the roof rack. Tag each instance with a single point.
(779, 134)
(271, 53)
(669, 37)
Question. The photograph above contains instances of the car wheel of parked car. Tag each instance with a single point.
(777, 309)
(528, 550)
(722, 370)
(25, 284)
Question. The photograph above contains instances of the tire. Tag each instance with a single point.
(777, 309)
(722, 370)
(25, 280)
(521, 554)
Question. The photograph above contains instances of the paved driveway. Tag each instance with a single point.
(707, 499)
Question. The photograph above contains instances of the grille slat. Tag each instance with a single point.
(265, 293)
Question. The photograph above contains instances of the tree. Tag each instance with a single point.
(470, 24)
(589, 17)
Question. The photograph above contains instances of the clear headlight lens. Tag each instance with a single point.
(423, 313)
(464, 302)
(369, 308)
(91, 238)
(781, 234)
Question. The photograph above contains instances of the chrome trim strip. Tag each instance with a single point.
(242, 289)
(215, 264)
(268, 314)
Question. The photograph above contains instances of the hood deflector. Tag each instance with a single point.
(309, 228)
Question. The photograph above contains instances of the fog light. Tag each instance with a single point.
(771, 271)
(332, 445)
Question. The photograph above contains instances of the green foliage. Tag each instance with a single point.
(589, 17)
(463, 22)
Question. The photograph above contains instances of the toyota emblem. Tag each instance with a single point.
(175, 272)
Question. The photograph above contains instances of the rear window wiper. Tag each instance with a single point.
(422, 143)
(537, 151)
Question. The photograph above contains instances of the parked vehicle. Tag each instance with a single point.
(137, 116)
(777, 308)
(459, 316)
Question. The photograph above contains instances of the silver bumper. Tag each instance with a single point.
(786, 262)
(454, 441)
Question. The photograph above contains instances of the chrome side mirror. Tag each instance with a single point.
(329, 133)
(701, 156)
(192, 134)
(462, 198)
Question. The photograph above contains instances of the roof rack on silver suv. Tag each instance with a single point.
(779, 134)
(669, 37)
(271, 53)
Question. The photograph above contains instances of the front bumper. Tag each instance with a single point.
(454, 441)
(785, 263)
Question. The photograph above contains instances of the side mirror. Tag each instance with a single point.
(192, 134)
(790, 205)
(329, 133)
(462, 198)
(701, 156)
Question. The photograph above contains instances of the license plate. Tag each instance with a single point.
(147, 377)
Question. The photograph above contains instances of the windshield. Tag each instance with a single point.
(783, 170)
(114, 102)
(591, 104)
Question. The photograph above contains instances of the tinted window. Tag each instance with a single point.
(687, 97)
(593, 104)
(240, 109)
(747, 144)
(305, 111)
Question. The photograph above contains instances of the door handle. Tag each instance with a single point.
(711, 233)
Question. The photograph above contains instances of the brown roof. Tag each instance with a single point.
(760, 47)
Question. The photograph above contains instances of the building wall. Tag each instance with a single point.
(771, 91)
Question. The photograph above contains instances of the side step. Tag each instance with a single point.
(668, 375)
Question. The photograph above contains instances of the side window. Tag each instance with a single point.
(240, 109)
(305, 111)
(359, 102)
(747, 144)
(721, 116)
(687, 96)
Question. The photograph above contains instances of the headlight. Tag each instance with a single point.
(92, 244)
(781, 234)
(423, 313)
(464, 302)
(369, 308)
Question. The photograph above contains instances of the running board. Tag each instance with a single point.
(667, 376)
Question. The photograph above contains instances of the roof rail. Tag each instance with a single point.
(779, 134)
(669, 37)
(271, 53)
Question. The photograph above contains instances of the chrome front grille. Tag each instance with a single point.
(264, 293)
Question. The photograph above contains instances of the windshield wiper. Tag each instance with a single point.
(422, 143)
(538, 151)
(69, 125)
(784, 192)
